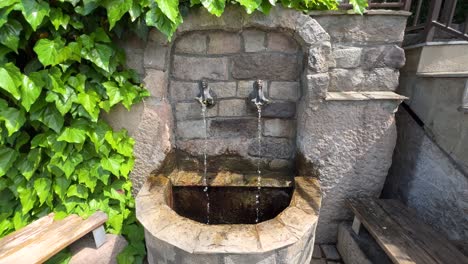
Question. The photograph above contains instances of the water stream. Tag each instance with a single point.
(259, 172)
(205, 166)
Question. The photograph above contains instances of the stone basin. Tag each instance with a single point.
(287, 237)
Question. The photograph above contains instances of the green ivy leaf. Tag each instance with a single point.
(27, 198)
(31, 88)
(90, 102)
(155, 17)
(49, 51)
(14, 119)
(77, 190)
(52, 118)
(112, 163)
(7, 158)
(29, 164)
(113, 92)
(359, 6)
(34, 12)
(170, 8)
(250, 5)
(60, 186)
(58, 18)
(42, 187)
(5, 3)
(116, 9)
(215, 7)
(10, 34)
(100, 55)
(73, 135)
(10, 79)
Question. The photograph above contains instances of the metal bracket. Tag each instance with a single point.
(99, 235)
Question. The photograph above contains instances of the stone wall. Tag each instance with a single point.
(230, 62)
(425, 178)
(345, 69)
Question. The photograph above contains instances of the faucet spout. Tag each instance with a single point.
(259, 98)
(206, 96)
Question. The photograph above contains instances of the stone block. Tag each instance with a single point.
(245, 88)
(346, 80)
(281, 42)
(121, 118)
(279, 110)
(284, 91)
(194, 43)
(184, 91)
(267, 258)
(155, 56)
(254, 40)
(232, 107)
(223, 43)
(278, 128)
(227, 128)
(384, 56)
(193, 110)
(317, 85)
(317, 254)
(134, 60)
(330, 252)
(191, 129)
(84, 251)
(280, 164)
(312, 32)
(157, 37)
(223, 89)
(347, 57)
(265, 66)
(320, 58)
(279, 148)
(381, 79)
(156, 83)
(195, 68)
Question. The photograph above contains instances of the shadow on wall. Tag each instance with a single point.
(424, 178)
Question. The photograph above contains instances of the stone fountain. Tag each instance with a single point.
(327, 133)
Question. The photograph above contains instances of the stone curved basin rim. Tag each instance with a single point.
(154, 211)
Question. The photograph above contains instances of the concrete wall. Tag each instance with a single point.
(426, 179)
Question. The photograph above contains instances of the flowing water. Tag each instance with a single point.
(205, 166)
(259, 172)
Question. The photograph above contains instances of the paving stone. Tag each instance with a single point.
(232, 107)
(284, 90)
(195, 68)
(330, 252)
(265, 66)
(281, 42)
(317, 252)
(254, 40)
(223, 43)
(194, 43)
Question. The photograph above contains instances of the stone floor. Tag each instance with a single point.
(326, 254)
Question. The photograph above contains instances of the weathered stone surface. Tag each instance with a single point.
(330, 252)
(223, 89)
(245, 88)
(347, 57)
(273, 148)
(384, 56)
(134, 60)
(281, 42)
(265, 66)
(278, 128)
(381, 79)
(280, 164)
(317, 252)
(190, 129)
(346, 80)
(184, 91)
(427, 180)
(267, 258)
(320, 57)
(184, 111)
(318, 261)
(121, 118)
(157, 37)
(359, 249)
(84, 251)
(317, 85)
(155, 56)
(232, 107)
(279, 110)
(364, 29)
(223, 43)
(195, 68)
(156, 83)
(284, 90)
(194, 43)
(254, 40)
(233, 128)
(228, 239)
(312, 32)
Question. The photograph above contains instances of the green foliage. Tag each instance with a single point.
(59, 70)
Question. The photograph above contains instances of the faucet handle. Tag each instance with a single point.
(259, 96)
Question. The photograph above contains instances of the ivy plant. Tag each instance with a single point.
(59, 71)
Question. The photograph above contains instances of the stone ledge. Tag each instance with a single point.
(296, 222)
(375, 12)
(363, 96)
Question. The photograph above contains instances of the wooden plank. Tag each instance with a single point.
(57, 236)
(435, 244)
(27, 231)
(388, 234)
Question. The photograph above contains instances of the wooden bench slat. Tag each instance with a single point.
(388, 234)
(56, 237)
(27, 231)
(437, 246)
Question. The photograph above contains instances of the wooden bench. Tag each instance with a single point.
(43, 238)
(403, 237)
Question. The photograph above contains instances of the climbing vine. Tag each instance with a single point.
(59, 70)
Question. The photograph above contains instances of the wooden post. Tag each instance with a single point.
(434, 11)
